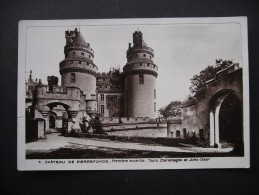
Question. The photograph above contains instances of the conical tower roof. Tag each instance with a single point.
(79, 39)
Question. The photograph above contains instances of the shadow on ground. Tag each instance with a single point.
(85, 153)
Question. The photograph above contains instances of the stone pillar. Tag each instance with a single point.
(212, 128)
(47, 122)
(69, 125)
(218, 145)
(45, 114)
(73, 120)
(40, 127)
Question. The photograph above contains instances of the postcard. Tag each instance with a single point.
(123, 94)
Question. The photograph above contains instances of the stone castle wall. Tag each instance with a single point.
(86, 82)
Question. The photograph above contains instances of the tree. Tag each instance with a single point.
(97, 125)
(206, 74)
(171, 110)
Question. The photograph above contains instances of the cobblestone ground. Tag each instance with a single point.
(90, 148)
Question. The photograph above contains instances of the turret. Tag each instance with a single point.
(52, 81)
(78, 68)
(140, 79)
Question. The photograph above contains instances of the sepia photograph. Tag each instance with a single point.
(109, 94)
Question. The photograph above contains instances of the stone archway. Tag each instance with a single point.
(56, 115)
(225, 118)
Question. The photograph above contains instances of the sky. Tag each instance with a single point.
(181, 50)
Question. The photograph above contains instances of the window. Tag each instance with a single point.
(144, 55)
(74, 53)
(148, 65)
(89, 56)
(150, 57)
(154, 107)
(82, 53)
(141, 79)
(79, 62)
(72, 78)
(184, 133)
(102, 97)
(155, 93)
(178, 134)
(87, 64)
(136, 55)
(140, 64)
(102, 108)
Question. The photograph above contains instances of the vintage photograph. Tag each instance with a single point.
(168, 93)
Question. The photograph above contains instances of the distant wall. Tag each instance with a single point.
(125, 120)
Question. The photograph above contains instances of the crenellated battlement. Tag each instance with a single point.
(70, 93)
(219, 76)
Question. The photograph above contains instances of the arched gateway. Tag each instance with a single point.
(216, 111)
(225, 118)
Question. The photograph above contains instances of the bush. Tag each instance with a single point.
(204, 144)
(75, 133)
(192, 138)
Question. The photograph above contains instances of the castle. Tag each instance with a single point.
(214, 115)
(84, 91)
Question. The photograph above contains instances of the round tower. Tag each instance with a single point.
(78, 69)
(140, 79)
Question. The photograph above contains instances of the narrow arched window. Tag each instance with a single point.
(178, 134)
(141, 79)
(72, 78)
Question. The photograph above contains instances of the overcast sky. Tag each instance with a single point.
(181, 50)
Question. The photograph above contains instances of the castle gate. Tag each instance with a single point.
(219, 107)
(225, 118)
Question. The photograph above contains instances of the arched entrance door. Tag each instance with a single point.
(226, 122)
(52, 121)
(230, 120)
